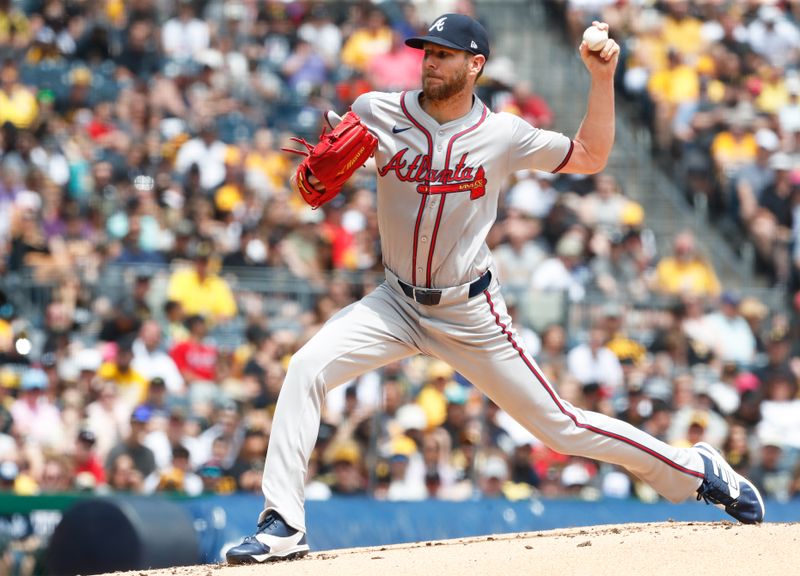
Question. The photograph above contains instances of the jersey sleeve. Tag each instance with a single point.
(363, 107)
(536, 149)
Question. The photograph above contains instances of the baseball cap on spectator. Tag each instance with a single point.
(632, 215)
(141, 414)
(457, 31)
(780, 161)
(9, 378)
(753, 308)
(411, 417)
(439, 369)
(767, 139)
(769, 13)
(33, 379)
(346, 452)
(80, 76)
(569, 246)
(87, 437)
(8, 471)
(778, 335)
(48, 360)
(746, 381)
(455, 394)
(575, 474)
(730, 298)
(495, 467)
(402, 448)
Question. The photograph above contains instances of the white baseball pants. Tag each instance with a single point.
(475, 337)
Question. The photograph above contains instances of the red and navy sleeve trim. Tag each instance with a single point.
(566, 158)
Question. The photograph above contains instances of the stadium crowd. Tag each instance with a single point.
(718, 85)
(144, 211)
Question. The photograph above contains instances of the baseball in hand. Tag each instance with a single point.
(595, 38)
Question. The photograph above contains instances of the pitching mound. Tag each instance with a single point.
(670, 548)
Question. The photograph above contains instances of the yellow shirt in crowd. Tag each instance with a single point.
(675, 85)
(675, 277)
(132, 386)
(210, 297)
(19, 107)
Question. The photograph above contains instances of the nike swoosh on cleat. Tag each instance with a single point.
(396, 130)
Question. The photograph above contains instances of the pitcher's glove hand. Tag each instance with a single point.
(334, 159)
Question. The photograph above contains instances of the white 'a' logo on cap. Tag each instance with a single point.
(438, 25)
(473, 45)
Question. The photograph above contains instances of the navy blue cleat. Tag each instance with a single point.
(274, 540)
(728, 490)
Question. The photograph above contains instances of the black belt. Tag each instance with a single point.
(432, 296)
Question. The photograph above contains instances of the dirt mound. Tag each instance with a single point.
(668, 548)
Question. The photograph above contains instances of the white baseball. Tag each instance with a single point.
(595, 38)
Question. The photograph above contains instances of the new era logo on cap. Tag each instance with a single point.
(456, 31)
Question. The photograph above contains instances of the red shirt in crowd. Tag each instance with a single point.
(195, 360)
(94, 467)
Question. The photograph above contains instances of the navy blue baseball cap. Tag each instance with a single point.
(456, 31)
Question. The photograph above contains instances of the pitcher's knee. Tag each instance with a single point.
(560, 444)
(305, 366)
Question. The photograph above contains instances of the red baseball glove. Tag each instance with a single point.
(333, 160)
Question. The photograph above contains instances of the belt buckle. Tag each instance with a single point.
(427, 296)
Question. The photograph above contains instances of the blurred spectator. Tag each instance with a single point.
(184, 36)
(132, 385)
(322, 33)
(18, 104)
(206, 154)
(564, 271)
(86, 460)
(780, 410)
(686, 271)
(123, 476)
(772, 36)
(56, 475)
(493, 474)
(730, 335)
(345, 458)
(432, 396)
(195, 357)
(163, 441)
(132, 446)
(769, 475)
(151, 360)
(367, 41)
(226, 425)
(36, 419)
(397, 69)
(593, 364)
(200, 290)
(178, 478)
(404, 485)
(248, 468)
(519, 254)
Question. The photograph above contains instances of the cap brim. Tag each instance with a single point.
(419, 41)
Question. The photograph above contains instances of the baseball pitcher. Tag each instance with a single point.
(441, 158)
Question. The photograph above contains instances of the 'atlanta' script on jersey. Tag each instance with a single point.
(462, 178)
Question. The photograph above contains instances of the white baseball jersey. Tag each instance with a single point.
(438, 188)
(438, 185)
